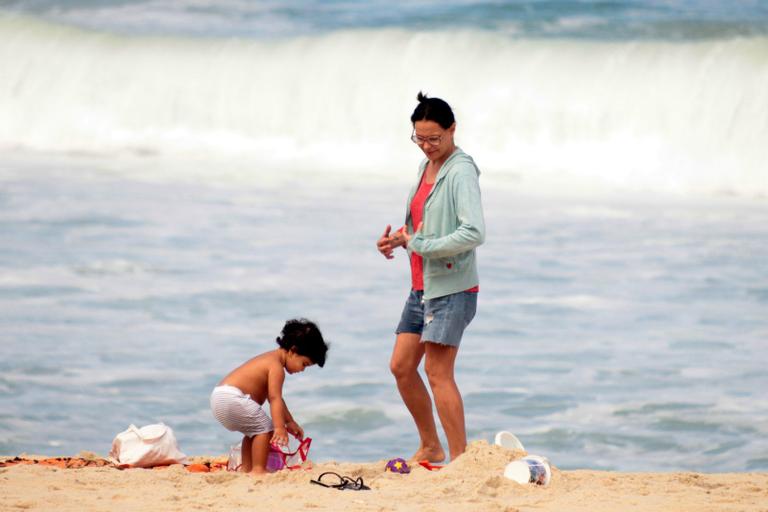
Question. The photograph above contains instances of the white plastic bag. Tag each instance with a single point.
(145, 447)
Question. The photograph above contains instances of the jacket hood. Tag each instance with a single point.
(458, 156)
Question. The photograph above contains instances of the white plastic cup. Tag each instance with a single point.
(532, 469)
(509, 441)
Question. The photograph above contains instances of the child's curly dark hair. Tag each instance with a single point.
(305, 339)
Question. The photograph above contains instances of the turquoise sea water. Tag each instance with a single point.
(624, 334)
(179, 178)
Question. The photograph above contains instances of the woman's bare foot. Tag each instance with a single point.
(258, 471)
(431, 454)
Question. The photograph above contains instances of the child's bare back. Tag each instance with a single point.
(252, 377)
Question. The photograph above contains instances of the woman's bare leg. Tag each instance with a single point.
(439, 366)
(406, 357)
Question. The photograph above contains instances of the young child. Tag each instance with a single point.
(237, 401)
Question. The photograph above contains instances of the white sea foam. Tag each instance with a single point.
(585, 302)
(550, 115)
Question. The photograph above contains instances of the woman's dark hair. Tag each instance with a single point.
(433, 109)
(305, 338)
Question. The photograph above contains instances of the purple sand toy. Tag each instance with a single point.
(397, 465)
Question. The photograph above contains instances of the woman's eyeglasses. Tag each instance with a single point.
(434, 140)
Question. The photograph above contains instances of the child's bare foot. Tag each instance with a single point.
(432, 454)
(258, 471)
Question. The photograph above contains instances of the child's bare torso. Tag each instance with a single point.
(251, 377)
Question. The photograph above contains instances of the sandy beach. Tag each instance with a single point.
(472, 482)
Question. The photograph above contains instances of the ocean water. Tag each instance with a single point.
(179, 178)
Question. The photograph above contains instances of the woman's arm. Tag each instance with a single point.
(469, 211)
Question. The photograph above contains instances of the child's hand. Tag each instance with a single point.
(295, 429)
(280, 437)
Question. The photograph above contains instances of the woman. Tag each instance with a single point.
(443, 225)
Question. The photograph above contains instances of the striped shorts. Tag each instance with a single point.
(238, 413)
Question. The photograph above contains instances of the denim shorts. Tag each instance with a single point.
(440, 320)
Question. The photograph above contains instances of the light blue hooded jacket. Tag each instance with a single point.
(453, 226)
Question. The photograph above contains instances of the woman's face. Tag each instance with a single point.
(435, 141)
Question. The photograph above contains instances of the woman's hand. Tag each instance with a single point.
(403, 238)
(384, 244)
(280, 437)
(400, 237)
(295, 429)
(388, 243)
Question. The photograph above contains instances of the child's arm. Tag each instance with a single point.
(288, 415)
(275, 379)
(291, 425)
